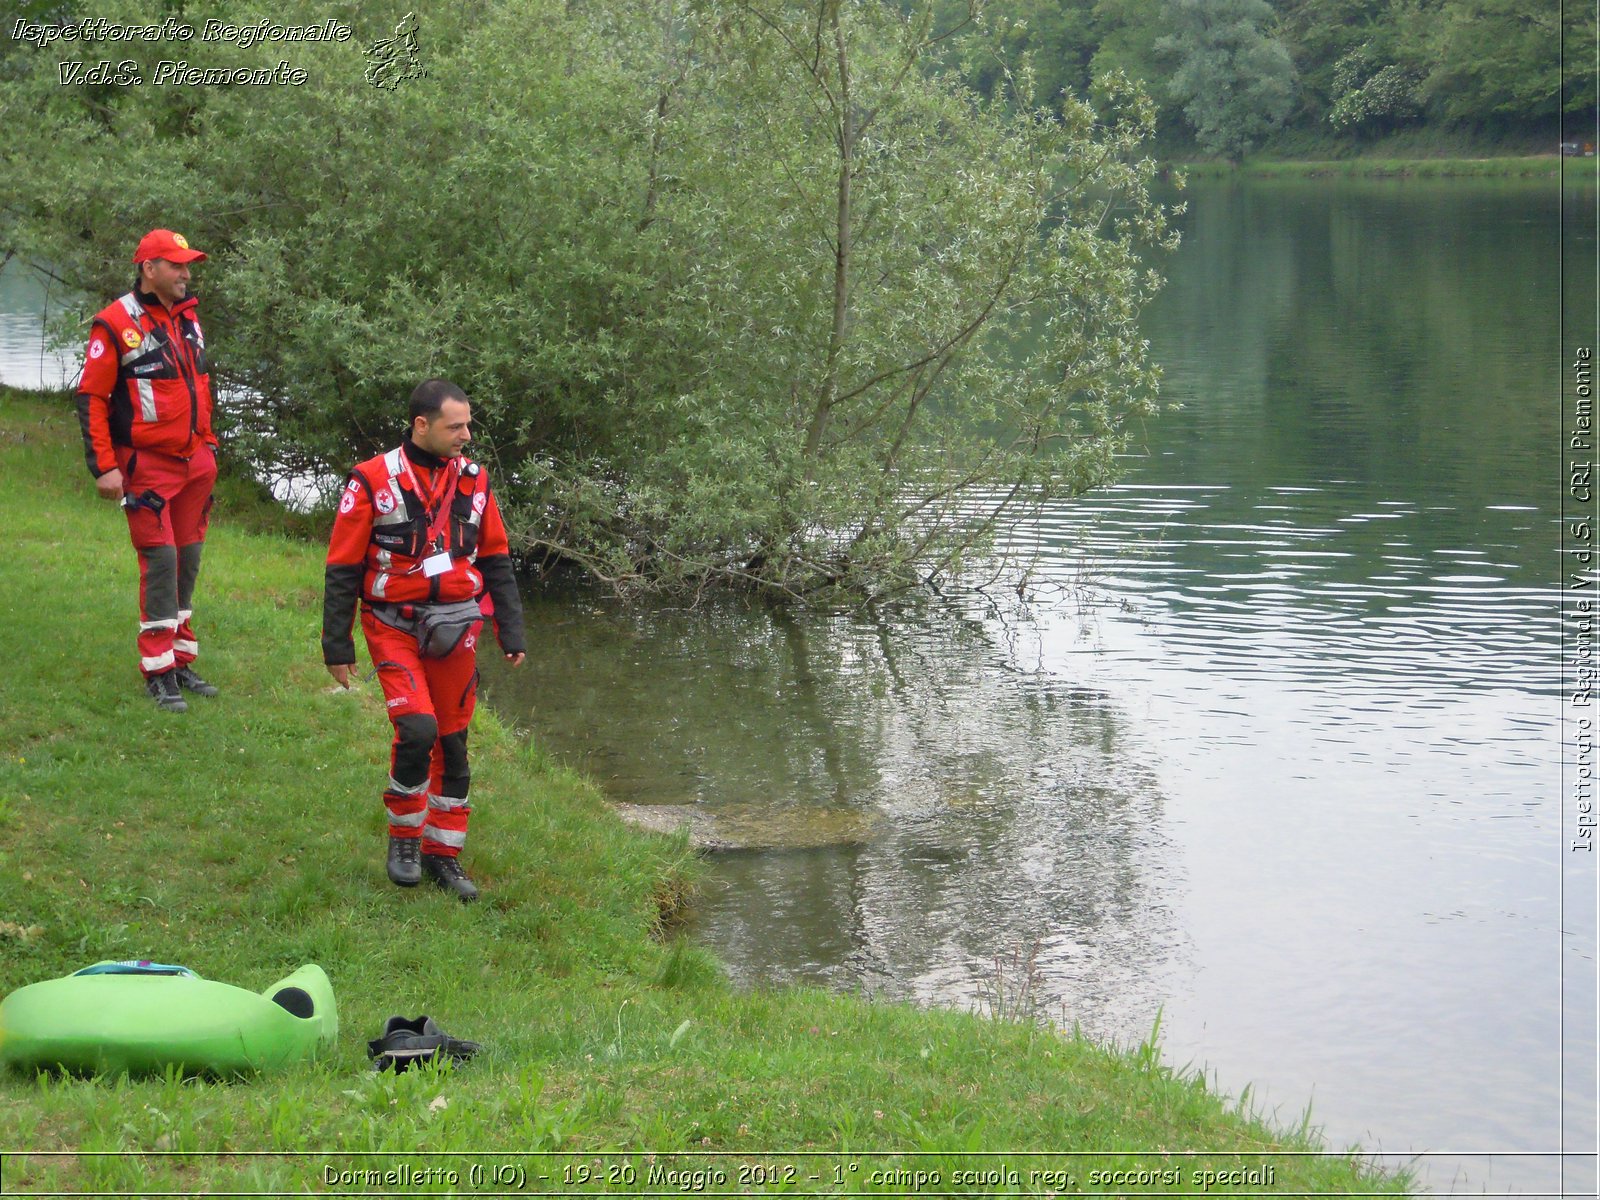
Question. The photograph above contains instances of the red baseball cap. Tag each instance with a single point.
(163, 243)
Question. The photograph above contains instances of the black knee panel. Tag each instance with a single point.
(415, 734)
(160, 582)
(188, 572)
(454, 746)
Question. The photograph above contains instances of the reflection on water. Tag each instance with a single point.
(1001, 803)
(1269, 745)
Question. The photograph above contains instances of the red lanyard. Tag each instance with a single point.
(438, 497)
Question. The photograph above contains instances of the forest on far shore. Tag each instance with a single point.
(1311, 77)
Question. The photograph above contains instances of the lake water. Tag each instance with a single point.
(1271, 747)
(25, 360)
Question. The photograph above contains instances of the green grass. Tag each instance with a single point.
(1423, 152)
(1546, 166)
(246, 838)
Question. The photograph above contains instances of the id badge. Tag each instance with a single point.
(436, 564)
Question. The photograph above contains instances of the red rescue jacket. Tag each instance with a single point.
(396, 511)
(144, 382)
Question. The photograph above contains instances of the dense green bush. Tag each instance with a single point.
(742, 293)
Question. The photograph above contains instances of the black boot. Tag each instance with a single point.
(163, 689)
(445, 870)
(191, 682)
(405, 861)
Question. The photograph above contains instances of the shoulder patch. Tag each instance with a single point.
(358, 483)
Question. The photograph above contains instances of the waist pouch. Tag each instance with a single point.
(438, 628)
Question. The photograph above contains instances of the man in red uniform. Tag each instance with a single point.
(418, 540)
(144, 402)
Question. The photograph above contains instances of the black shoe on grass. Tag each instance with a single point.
(189, 681)
(163, 689)
(445, 870)
(405, 861)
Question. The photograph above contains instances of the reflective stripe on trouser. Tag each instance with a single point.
(446, 830)
(444, 690)
(158, 609)
(166, 634)
(169, 542)
(408, 807)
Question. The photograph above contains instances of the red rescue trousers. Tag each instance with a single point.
(430, 702)
(167, 501)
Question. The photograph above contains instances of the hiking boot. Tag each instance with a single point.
(445, 870)
(189, 680)
(405, 861)
(163, 689)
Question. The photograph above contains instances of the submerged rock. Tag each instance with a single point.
(727, 827)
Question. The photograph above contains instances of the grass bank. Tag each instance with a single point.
(245, 838)
(1546, 166)
(1419, 153)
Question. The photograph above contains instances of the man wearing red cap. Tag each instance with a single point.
(144, 402)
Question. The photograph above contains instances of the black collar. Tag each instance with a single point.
(420, 457)
(151, 300)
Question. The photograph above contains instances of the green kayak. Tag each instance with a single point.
(146, 1017)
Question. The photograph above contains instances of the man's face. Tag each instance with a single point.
(448, 433)
(169, 281)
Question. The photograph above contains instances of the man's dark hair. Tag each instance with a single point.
(138, 272)
(429, 398)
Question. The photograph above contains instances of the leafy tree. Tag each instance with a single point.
(1368, 95)
(1319, 34)
(361, 238)
(743, 293)
(1052, 39)
(1236, 81)
(1500, 60)
(1130, 34)
(935, 298)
